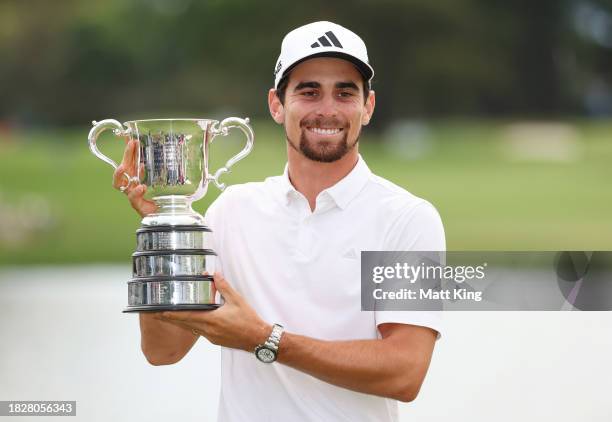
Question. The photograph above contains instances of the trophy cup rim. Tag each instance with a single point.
(183, 119)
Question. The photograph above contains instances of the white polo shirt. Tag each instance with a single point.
(301, 269)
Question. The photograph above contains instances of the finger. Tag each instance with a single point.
(177, 316)
(223, 286)
(127, 166)
(188, 318)
(189, 326)
(119, 178)
(138, 202)
(135, 193)
(213, 288)
(129, 153)
(133, 157)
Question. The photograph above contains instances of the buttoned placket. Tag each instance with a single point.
(307, 241)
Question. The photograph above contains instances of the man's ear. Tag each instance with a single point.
(276, 108)
(369, 108)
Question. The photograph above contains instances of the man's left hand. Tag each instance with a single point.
(234, 324)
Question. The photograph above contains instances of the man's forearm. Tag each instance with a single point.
(381, 367)
(161, 342)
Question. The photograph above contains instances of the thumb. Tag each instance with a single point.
(222, 285)
(141, 205)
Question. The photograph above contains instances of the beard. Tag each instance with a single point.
(323, 151)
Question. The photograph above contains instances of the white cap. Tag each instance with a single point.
(321, 39)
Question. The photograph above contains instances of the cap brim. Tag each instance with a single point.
(363, 68)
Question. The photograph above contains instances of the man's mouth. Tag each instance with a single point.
(325, 131)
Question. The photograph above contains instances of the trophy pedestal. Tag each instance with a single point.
(171, 270)
(173, 210)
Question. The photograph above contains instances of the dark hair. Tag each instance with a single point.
(282, 88)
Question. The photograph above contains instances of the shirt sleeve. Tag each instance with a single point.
(417, 229)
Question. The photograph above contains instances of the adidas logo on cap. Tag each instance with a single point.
(298, 45)
(327, 40)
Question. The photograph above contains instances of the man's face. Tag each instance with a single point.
(324, 108)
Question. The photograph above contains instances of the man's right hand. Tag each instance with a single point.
(135, 193)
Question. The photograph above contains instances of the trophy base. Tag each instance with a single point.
(161, 308)
(175, 293)
(169, 238)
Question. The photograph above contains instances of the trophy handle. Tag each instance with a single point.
(223, 129)
(118, 130)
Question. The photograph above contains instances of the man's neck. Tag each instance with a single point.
(311, 177)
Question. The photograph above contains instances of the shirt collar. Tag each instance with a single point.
(343, 192)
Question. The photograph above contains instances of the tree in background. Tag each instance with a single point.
(64, 62)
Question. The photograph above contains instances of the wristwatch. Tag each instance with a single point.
(268, 351)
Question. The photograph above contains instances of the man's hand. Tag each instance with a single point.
(234, 324)
(135, 193)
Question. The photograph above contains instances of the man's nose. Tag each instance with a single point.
(327, 106)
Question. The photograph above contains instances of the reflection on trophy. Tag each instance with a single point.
(173, 263)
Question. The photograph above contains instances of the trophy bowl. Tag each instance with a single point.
(172, 161)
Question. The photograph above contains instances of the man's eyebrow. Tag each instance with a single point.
(303, 85)
(344, 85)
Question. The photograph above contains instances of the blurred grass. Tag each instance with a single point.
(487, 201)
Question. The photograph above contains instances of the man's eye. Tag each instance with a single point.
(309, 93)
(345, 94)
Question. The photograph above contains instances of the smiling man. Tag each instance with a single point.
(295, 344)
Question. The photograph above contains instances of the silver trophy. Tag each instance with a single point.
(173, 263)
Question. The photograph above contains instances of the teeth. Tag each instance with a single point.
(322, 131)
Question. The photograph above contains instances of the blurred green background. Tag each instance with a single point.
(497, 112)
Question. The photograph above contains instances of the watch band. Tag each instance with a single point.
(267, 352)
(274, 339)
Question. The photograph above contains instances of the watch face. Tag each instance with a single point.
(266, 355)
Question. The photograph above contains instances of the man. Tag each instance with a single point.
(289, 252)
